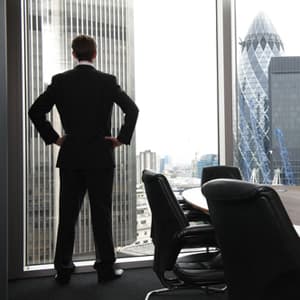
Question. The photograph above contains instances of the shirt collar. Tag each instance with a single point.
(85, 62)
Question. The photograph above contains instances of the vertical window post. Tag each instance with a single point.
(3, 153)
(226, 92)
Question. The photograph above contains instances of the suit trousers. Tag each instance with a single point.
(74, 183)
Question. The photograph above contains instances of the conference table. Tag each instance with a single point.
(289, 196)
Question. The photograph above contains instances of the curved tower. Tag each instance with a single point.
(253, 107)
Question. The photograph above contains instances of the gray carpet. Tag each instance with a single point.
(134, 285)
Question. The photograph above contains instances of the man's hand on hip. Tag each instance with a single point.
(115, 142)
(60, 140)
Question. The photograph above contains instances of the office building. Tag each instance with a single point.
(207, 160)
(284, 91)
(50, 28)
(165, 164)
(253, 112)
(143, 243)
(146, 160)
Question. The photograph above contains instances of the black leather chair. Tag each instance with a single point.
(170, 232)
(259, 245)
(214, 172)
(209, 173)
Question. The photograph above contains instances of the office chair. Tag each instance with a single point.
(260, 247)
(214, 172)
(209, 173)
(170, 232)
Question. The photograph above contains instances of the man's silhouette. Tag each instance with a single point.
(84, 98)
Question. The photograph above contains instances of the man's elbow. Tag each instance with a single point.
(136, 112)
(31, 114)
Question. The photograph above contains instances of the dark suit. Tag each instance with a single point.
(84, 98)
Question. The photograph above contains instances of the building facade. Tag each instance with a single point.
(284, 90)
(49, 27)
(253, 119)
(146, 160)
(207, 160)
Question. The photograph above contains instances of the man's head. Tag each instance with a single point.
(84, 48)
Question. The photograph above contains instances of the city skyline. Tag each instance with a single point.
(163, 33)
(246, 11)
(266, 165)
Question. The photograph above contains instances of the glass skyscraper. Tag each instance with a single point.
(253, 128)
(49, 27)
(207, 160)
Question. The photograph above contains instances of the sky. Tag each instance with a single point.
(175, 69)
(175, 77)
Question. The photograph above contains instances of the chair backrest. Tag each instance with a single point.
(167, 220)
(260, 247)
(214, 172)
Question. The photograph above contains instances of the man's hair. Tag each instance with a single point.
(84, 47)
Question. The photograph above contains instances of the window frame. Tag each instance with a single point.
(15, 132)
(3, 153)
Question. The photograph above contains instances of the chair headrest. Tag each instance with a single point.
(229, 189)
(149, 176)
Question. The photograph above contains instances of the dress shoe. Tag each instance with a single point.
(105, 275)
(63, 277)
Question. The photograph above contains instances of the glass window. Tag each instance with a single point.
(163, 53)
(267, 147)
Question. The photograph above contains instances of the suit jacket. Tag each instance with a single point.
(84, 98)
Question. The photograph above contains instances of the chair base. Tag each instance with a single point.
(204, 289)
(158, 291)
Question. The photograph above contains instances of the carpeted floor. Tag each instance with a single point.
(134, 285)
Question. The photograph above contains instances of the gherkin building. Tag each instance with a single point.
(253, 120)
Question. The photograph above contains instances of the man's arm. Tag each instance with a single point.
(37, 114)
(115, 142)
(130, 110)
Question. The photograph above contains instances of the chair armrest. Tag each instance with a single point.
(197, 236)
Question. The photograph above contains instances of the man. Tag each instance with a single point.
(84, 98)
